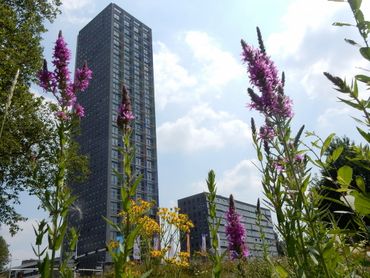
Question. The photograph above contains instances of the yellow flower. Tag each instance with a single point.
(184, 255)
(149, 226)
(113, 244)
(156, 253)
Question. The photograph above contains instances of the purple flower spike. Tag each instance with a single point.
(235, 233)
(267, 133)
(59, 83)
(79, 110)
(45, 77)
(264, 76)
(62, 115)
(61, 56)
(82, 78)
(125, 115)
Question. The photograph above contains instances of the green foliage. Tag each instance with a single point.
(214, 224)
(343, 172)
(362, 153)
(128, 227)
(4, 254)
(26, 153)
(25, 133)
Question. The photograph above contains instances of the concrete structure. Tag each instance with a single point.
(118, 49)
(196, 207)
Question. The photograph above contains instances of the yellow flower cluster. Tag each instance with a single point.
(180, 262)
(159, 253)
(113, 244)
(137, 209)
(173, 217)
(149, 226)
(184, 255)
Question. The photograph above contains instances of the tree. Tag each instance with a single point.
(28, 139)
(328, 184)
(4, 254)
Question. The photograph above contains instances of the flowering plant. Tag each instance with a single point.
(285, 178)
(235, 233)
(214, 224)
(129, 227)
(58, 199)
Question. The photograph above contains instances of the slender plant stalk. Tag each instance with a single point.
(9, 101)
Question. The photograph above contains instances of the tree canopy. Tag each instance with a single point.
(328, 184)
(27, 134)
(4, 253)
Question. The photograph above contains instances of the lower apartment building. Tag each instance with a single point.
(196, 207)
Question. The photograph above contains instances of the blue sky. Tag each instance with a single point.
(201, 85)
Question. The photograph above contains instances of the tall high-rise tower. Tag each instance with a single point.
(118, 49)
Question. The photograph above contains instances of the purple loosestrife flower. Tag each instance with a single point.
(59, 82)
(62, 115)
(125, 115)
(61, 56)
(79, 110)
(264, 76)
(82, 77)
(235, 233)
(266, 133)
(45, 77)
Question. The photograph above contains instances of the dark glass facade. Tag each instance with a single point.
(118, 49)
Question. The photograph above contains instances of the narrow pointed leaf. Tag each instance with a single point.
(363, 78)
(326, 144)
(354, 105)
(341, 24)
(364, 134)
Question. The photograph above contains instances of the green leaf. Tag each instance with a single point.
(364, 134)
(352, 42)
(361, 184)
(362, 202)
(341, 24)
(363, 78)
(60, 237)
(259, 155)
(336, 153)
(354, 105)
(354, 93)
(135, 184)
(326, 144)
(365, 52)
(344, 175)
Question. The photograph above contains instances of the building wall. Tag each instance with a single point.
(118, 49)
(196, 206)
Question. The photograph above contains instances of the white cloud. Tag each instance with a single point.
(330, 117)
(301, 16)
(172, 81)
(73, 5)
(202, 128)
(312, 75)
(309, 45)
(243, 181)
(219, 66)
(211, 69)
(74, 12)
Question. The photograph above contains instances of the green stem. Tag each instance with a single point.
(59, 187)
(300, 201)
